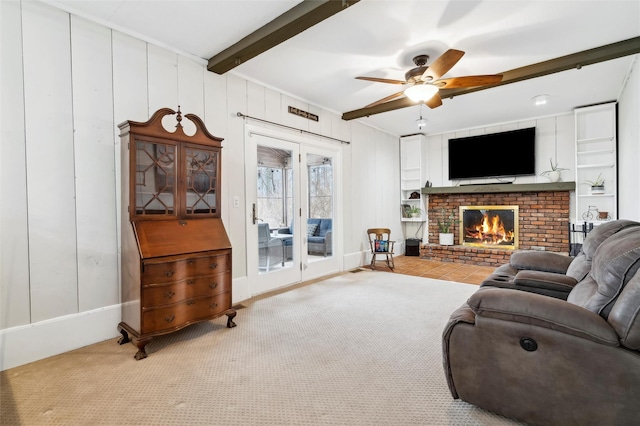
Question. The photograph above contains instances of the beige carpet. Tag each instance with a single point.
(357, 349)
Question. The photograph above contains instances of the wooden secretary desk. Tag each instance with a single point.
(176, 255)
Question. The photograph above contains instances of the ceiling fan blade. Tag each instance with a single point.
(387, 99)
(468, 81)
(443, 64)
(434, 102)
(381, 80)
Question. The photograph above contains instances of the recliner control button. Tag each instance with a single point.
(528, 344)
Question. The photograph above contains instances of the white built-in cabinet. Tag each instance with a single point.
(596, 156)
(411, 177)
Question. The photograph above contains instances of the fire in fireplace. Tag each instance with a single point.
(489, 226)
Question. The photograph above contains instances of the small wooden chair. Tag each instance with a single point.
(381, 245)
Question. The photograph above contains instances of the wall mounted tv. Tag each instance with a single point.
(501, 154)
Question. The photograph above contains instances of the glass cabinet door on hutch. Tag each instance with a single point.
(176, 255)
(201, 167)
(155, 178)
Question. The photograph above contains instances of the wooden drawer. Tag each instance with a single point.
(158, 295)
(175, 316)
(173, 269)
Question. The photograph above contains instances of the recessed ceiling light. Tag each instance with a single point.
(540, 100)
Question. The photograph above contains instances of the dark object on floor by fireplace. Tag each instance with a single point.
(412, 247)
(544, 360)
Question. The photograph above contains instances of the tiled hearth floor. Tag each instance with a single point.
(414, 265)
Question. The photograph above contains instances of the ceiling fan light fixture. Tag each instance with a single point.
(421, 92)
(422, 122)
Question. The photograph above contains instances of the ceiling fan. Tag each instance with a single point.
(424, 81)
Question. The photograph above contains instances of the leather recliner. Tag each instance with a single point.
(549, 361)
(550, 273)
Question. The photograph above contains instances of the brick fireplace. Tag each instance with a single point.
(543, 219)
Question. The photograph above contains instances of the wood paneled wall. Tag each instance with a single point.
(66, 84)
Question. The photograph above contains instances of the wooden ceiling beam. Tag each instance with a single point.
(297, 19)
(563, 63)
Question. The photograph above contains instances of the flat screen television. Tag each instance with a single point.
(501, 154)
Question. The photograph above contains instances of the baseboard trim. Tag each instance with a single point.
(354, 260)
(32, 342)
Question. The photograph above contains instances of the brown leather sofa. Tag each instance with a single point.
(549, 361)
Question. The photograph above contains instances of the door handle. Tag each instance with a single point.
(253, 214)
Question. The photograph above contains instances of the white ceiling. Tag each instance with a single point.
(380, 37)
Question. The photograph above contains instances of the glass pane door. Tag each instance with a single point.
(273, 192)
(321, 212)
(320, 207)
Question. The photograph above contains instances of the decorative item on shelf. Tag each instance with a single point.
(445, 221)
(597, 185)
(415, 212)
(414, 195)
(554, 174)
(603, 216)
(592, 213)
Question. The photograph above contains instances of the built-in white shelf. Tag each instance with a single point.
(596, 156)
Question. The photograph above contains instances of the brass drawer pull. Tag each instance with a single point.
(191, 262)
(190, 302)
(213, 305)
(214, 265)
(213, 285)
(191, 281)
(169, 273)
(169, 319)
(169, 294)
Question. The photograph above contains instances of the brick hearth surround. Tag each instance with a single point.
(544, 222)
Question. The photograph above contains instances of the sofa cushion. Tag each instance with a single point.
(579, 267)
(625, 314)
(314, 221)
(312, 228)
(325, 226)
(601, 232)
(614, 263)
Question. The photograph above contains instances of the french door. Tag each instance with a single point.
(291, 229)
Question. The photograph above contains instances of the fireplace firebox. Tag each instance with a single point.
(489, 226)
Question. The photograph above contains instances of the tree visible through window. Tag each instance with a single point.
(271, 194)
(275, 192)
(321, 191)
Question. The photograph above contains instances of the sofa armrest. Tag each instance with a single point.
(541, 311)
(328, 242)
(463, 314)
(544, 280)
(546, 261)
